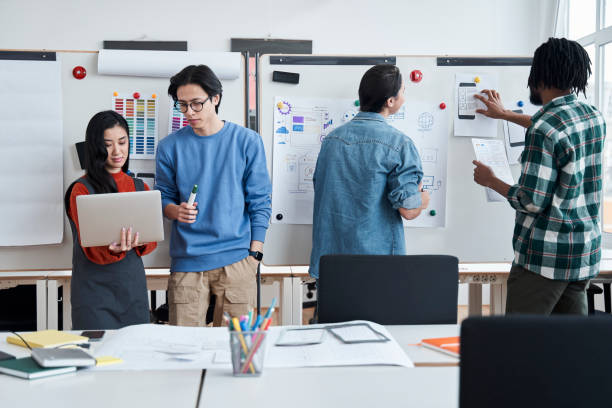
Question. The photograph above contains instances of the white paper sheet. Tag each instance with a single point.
(300, 124)
(493, 154)
(466, 121)
(164, 64)
(31, 145)
(162, 347)
(427, 126)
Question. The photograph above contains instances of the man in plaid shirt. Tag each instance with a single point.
(557, 236)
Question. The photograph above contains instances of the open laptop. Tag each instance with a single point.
(101, 217)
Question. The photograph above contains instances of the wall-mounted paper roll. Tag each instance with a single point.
(164, 64)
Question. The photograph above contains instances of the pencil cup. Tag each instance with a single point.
(248, 349)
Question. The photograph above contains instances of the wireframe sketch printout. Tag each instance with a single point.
(300, 125)
(31, 146)
(427, 126)
(141, 116)
(466, 121)
(493, 154)
(514, 135)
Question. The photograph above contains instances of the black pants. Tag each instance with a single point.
(530, 293)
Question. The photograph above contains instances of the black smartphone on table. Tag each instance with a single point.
(93, 335)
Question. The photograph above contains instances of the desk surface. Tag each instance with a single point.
(92, 388)
(335, 387)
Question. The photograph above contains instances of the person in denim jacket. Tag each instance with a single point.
(367, 178)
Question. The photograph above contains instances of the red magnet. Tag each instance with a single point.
(416, 76)
(442, 105)
(136, 95)
(79, 72)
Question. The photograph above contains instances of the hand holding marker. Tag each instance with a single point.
(192, 196)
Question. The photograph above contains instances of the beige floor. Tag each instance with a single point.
(462, 313)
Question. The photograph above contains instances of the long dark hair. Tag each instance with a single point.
(562, 64)
(96, 153)
(200, 75)
(378, 84)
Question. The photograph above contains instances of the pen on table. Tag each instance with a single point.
(192, 196)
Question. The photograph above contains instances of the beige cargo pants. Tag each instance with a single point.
(189, 293)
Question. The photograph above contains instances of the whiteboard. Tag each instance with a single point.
(81, 99)
(475, 231)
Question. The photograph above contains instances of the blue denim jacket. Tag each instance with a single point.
(366, 170)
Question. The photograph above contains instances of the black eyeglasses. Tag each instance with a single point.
(195, 105)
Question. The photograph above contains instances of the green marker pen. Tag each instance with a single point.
(192, 196)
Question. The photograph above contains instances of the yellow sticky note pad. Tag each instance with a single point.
(107, 360)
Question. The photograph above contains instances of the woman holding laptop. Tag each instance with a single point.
(109, 288)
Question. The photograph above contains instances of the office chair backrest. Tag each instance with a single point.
(536, 361)
(388, 289)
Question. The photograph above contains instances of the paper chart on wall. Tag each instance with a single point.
(300, 124)
(427, 126)
(31, 146)
(141, 115)
(466, 121)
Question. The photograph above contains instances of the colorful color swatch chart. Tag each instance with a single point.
(176, 120)
(141, 116)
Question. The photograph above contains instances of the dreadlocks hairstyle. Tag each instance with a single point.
(562, 64)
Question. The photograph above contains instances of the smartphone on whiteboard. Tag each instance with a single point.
(466, 102)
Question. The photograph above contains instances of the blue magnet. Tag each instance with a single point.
(520, 104)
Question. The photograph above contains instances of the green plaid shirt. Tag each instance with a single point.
(557, 198)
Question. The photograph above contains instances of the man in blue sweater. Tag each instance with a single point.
(216, 243)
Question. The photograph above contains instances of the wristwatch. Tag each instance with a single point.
(256, 254)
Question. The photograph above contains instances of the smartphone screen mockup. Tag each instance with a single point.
(466, 102)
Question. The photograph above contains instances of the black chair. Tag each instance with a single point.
(388, 289)
(536, 361)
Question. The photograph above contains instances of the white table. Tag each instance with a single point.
(351, 387)
(396, 386)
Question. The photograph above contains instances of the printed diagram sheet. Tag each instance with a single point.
(491, 153)
(514, 135)
(427, 125)
(300, 124)
(466, 121)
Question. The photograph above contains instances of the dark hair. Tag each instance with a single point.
(200, 75)
(562, 64)
(96, 152)
(378, 84)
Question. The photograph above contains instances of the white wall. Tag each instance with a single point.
(479, 27)
(417, 27)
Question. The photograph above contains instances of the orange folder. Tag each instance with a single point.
(447, 345)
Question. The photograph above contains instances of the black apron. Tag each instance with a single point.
(106, 296)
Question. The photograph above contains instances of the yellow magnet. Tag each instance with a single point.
(115, 93)
(154, 96)
(280, 105)
(477, 80)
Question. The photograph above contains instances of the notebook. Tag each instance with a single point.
(447, 345)
(26, 367)
(47, 338)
